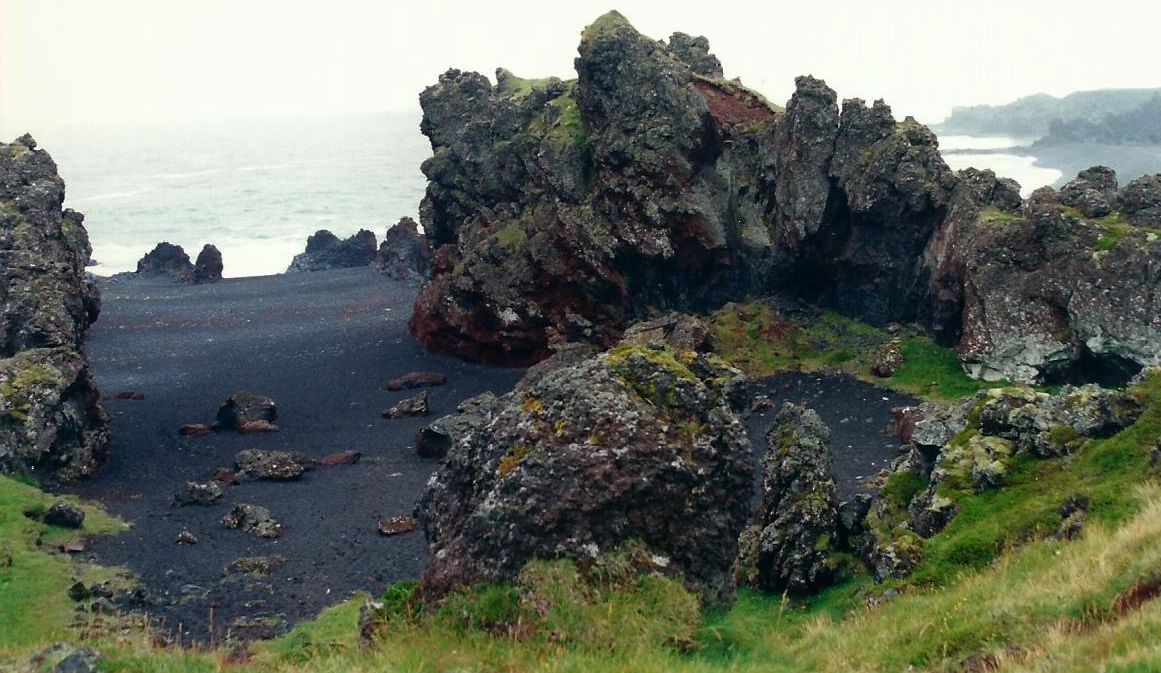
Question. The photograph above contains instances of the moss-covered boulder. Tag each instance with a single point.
(636, 444)
(50, 421)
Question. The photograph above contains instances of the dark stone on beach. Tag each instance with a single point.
(398, 525)
(195, 430)
(271, 465)
(412, 406)
(252, 519)
(798, 519)
(64, 515)
(435, 440)
(416, 380)
(198, 493)
(257, 427)
(128, 395)
(405, 254)
(761, 403)
(208, 267)
(244, 407)
(888, 359)
(254, 566)
(186, 537)
(225, 475)
(628, 447)
(341, 458)
(51, 422)
(167, 260)
(325, 251)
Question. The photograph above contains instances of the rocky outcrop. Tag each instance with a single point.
(1051, 295)
(50, 419)
(791, 543)
(208, 267)
(556, 218)
(326, 251)
(636, 444)
(405, 254)
(167, 260)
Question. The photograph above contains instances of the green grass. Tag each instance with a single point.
(513, 87)
(752, 337)
(34, 580)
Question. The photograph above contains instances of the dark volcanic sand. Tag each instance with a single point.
(323, 345)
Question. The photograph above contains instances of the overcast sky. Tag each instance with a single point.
(76, 61)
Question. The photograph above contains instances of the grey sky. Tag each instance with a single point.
(76, 61)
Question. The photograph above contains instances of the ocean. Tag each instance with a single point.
(258, 188)
(988, 152)
(255, 188)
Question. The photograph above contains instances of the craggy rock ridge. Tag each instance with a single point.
(405, 253)
(50, 420)
(563, 211)
(172, 261)
(638, 445)
(1060, 288)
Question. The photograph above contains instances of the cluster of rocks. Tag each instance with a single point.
(51, 422)
(167, 260)
(556, 219)
(404, 253)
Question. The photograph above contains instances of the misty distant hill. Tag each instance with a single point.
(1033, 116)
(1138, 126)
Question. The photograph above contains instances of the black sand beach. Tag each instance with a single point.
(323, 345)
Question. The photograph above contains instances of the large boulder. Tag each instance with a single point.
(326, 251)
(50, 419)
(636, 444)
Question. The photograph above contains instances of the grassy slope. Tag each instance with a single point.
(995, 591)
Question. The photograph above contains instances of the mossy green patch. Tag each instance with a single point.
(511, 236)
(513, 457)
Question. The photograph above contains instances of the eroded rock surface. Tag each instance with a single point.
(326, 251)
(50, 418)
(405, 253)
(634, 444)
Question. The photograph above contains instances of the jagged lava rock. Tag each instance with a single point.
(167, 260)
(405, 254)
(326, 251)
(50, 417)
(208, 267)
(634, 444)
(435, 440)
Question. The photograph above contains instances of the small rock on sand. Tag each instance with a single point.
(252, 519)
(254, 565)
(198, 493)
(128, 395)
(186, 537)
(271, 465)
(257, 427)
(340, 458)
(397, 525)
(195, 430)
(417, 380)
(245, 407)
(412, 406)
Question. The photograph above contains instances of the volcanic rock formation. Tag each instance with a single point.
(326, 251)
(50, 419)
(562, 211)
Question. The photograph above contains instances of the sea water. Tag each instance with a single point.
(987, 152)
(254, 188)
(258, 188)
